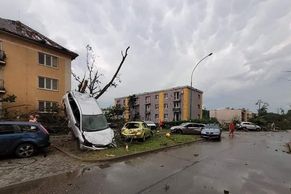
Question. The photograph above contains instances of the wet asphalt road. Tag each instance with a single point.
(253, 162)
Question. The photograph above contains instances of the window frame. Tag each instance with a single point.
(54, 60)
(46, 109)
(48, 82)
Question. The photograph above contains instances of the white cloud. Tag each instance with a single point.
(250, 40)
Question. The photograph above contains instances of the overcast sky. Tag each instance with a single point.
(250, 41)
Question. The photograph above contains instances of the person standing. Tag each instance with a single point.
(231, 128)
(32, 118)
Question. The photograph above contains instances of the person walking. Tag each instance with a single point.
(231, 128)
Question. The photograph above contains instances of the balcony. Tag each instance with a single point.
(2, 57)
(177, 109)
(2, 89)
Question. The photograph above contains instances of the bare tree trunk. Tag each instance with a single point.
(114, 76)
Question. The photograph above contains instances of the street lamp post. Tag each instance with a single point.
(191, 81)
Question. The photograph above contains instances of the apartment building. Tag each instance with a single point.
(227, 115)
(164, 105)
(34, 68)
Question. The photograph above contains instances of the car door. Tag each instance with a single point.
(73, 114)
(196, 129)
(187, 129)
(9, 138)
(147, 129)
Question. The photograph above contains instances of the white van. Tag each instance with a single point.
(87, 121)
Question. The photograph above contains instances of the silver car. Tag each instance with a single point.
(87, 121)
(211, 131)
(188, 128)
(249, 126)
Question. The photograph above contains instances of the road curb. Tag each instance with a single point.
(113, 159)
(289, 146)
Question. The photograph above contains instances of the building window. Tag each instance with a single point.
(176, 95)
(156, 97)
(148, 99)
(148, 116)
(199, 96)
(166, 116)
(165, 106)
(156, 116)
(199, 106)
(165, 96)
(48, 83)
(177, 104)
(156, 106)
(148, 107)
(47, 106)
(47, 60)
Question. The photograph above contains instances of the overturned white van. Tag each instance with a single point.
(87, 121)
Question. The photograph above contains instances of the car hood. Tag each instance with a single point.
(210, 130)
(103, 137)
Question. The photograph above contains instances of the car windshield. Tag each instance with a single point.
(184, 124)
(132, 125)
(212, 126)
(94, 122)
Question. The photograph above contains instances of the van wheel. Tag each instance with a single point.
(25, 150)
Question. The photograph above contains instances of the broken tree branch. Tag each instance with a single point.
(114, 76)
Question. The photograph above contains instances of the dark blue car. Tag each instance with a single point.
(22, 138)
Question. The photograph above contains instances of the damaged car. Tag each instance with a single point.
(87, 122)
(136, 130)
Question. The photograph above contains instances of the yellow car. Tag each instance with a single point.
(136, 130)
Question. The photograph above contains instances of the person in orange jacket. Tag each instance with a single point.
(231, 128)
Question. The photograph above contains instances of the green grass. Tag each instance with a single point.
(159, 140)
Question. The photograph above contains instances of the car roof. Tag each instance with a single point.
(135, 122)
(19, 122)
(87, 104)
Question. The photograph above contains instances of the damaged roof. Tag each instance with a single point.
(23, 31)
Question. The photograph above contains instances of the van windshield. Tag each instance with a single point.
(94, 122)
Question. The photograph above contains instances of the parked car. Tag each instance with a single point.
(23, 139)
(87, 121)
(136, 130)
(188, 128)
(249, 126)
(151, 125)
(211, 131)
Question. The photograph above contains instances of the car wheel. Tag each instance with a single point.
(179, 131)
(143, 138)
(219, 138)
(152, 134)
(25, 150)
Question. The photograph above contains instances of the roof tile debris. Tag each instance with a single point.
(20, 29)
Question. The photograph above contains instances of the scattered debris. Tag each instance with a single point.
(162, 166)
(196, 155)
(164, 144)
(167, 187)
(126, 147)
(276, 150)
(110, 155)
(226, 192)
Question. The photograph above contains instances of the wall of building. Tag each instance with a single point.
(227, 115)
(183, 110)
(22, 70)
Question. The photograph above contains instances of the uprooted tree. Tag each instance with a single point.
(91, 80)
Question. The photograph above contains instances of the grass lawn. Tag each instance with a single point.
(159, 140)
